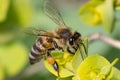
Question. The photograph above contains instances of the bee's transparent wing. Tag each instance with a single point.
(52, 12)
(39, 32)
(34, 31)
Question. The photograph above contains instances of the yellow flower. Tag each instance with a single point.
(98, 12)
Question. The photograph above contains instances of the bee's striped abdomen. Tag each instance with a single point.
(36, 53)
(39, 48)
(45, 42)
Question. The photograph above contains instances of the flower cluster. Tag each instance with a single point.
(93, 67)
(100, 12)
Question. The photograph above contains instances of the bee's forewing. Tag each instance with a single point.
(52, 12)
(34, 31)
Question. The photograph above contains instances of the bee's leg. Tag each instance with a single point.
(56, 67)
(84, 48)
(82, 56)
(52, 61)
(71, 50)
(60, 48)
(75, 48)
(57, 47)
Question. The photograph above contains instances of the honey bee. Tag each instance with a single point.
(62, 38)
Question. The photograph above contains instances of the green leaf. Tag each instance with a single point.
(62, 57)
(24, 11)
(106, 70)
(106, 12)
(110, 73)
(63, 71)
(77, 58)
(13, 58)
(4, 6)
(57, 55)
(115, 74)
(63, 60)
(97, 67)
(85, 42)
(91, 66)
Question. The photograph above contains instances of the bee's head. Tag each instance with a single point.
(68, 35)
(74, 38)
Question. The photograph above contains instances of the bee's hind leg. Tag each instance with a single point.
(52, 61)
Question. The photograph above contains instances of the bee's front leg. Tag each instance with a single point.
(72, 50)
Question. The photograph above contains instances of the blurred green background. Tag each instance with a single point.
(16, 45)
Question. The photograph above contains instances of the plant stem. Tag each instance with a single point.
(108, 40)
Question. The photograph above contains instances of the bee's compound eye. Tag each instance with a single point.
(71, 40)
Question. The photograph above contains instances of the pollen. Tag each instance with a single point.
(51, 60)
